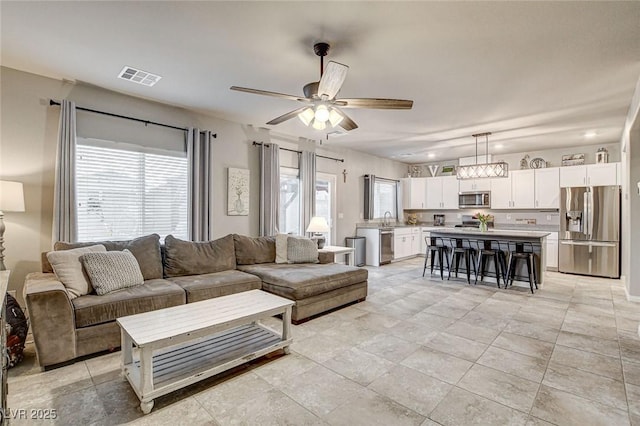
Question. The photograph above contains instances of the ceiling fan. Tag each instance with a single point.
(321, 107)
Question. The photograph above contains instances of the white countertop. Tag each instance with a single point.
(495, 232)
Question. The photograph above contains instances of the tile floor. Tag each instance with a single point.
(418, 351)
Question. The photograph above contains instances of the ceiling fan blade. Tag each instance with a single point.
(266, 93)
(332, 79)
(347, 123)
(374, 103)
(287, 116)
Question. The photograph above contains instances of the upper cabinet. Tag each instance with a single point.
(589, 175)
(442, 193)
(547, 188)
(474, 185)
(513, 192)
(414, 193)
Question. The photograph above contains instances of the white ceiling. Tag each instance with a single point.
(537, 74)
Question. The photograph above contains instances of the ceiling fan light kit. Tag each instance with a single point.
(483, 170)
(321, 110)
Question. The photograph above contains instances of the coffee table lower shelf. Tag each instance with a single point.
(178, 366)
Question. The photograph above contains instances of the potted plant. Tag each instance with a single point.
(484, 220)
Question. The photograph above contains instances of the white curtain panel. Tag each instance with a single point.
(269, 188)
(65, 223)
(200, 163)
(308, 184)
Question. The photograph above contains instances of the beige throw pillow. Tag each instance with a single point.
(302, 250)
(112, 270)
(68, 268)
(281, 248)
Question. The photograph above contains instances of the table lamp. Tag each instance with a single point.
(11, 200)
(317, 227)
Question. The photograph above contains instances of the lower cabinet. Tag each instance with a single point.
(552, 251)
(406, 242)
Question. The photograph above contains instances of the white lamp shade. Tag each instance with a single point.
(318, 224)
(306, 116)
(11, 196)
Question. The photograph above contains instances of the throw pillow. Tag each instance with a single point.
(195, 258)
(112, 270)
(146, 250)
(68, 268)
(302, 250)
(281, 248)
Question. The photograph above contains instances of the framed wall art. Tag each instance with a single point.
(573, 160)
(238, 192)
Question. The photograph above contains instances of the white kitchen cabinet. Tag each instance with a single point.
(406, 242)
(414, 193)
(589, 175)
(474, 185)
(442, 193)
(513, 192)
(547, 188)
(552, 251)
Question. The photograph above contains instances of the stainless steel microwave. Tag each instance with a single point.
(473, 200)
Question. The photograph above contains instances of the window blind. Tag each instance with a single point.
(125, 194)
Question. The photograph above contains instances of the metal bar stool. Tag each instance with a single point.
(435, 245)
(522, 250)
(462, 248)
(491, 249)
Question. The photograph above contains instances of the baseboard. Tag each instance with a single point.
(630, 298)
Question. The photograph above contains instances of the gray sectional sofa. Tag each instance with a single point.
(65, 328)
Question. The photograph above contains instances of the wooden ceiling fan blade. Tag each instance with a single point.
(374, 103)
(347, 123)
(287, 116)
(267, 93)
(332, 79)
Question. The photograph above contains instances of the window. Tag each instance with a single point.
(326, 202)
(385, 197)
(124, 194)
(290, 202)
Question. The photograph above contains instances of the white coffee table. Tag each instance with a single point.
(184, 344)
(347, 251)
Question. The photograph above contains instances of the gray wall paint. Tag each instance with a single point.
(28, 147)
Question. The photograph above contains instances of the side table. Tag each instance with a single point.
(349, 252)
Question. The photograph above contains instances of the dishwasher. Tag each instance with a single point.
(386, 245)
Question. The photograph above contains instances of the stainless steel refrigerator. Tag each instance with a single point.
(590, 231)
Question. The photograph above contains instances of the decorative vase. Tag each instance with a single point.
(483, 226)
(239, 205)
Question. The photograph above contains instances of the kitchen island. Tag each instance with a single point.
(536, 238)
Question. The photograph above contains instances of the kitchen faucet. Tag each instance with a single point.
(385, 222)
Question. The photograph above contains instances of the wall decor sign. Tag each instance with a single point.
(238, 192)
(573, 160)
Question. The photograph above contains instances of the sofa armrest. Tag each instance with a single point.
(52, 318)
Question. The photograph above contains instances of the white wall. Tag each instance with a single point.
(630, 238)
(28, 147)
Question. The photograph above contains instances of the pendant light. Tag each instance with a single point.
(486, 169)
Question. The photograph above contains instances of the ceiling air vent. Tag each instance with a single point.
(139, 76)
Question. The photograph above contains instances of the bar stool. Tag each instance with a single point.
(436, 245)
(522, 250)
(492, 249)
(462, 247)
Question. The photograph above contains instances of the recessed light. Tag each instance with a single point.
(498, 146)
(431, 155)
(138, 76)
(590, 135)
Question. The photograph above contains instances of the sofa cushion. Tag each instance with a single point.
(253, 250)
(208, 286)
(192, 258)
(145, 249)
(112, 270)
(300, 281)
(68, 268)
(301, 250)
(150, 296)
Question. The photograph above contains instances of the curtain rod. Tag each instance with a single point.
(146, 122)
(341, 160)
